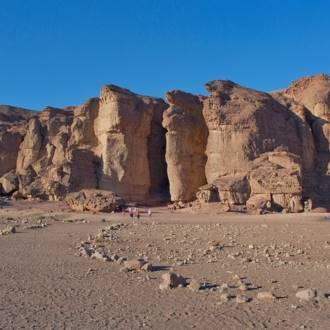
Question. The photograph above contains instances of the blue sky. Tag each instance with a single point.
(60, 52)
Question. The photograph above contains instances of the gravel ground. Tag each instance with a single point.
(45, 284)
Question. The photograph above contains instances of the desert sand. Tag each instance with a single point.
(46, 284)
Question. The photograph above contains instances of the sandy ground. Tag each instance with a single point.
(44, 284)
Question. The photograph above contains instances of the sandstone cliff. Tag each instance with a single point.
(115, 142)
(314, 94)
(12, 130)
(130, 143)
(233, 146)
(186, 139)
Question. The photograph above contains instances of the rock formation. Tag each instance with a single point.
(236, 146)
(12, 131)
(186, 139)
(314, 94)
(124, 130)
(94, 200)
(115, 142)
(243, 124)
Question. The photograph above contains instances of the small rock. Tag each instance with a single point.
(241, 299)
(147, 267)
(308, 294)
(194, 285)
(84, 251)
(243, 287)
(134, 264)
(8, 230)
(223, 288)
(120, 260)
(171, 280)
(100, 256)
(225, 297)
(114, 257)
(265, 295)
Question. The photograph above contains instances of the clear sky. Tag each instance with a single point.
(60, 52)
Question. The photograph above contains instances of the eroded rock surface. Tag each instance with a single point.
(126, 139)
(115, 142)
(186, 139)
(12, 130)
(94, 200)
(234, 146)
(243, 124)
(314, 94)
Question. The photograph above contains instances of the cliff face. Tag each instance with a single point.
(314, 94)
(243, 124)
(12, 131)
(115, 142)
(240, 143)
(130, 143)
(186, 139)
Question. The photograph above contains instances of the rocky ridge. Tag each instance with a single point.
(236, 146)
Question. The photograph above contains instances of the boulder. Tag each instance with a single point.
(278, 174)
(208, 194)
(9, 182)
(259, 203)
(267, 177)
(94, 200)
(233, 189)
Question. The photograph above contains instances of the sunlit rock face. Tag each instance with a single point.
(236, 144)
(129, 133)
(186, 139)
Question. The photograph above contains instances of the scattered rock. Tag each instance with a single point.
(171, 280)
(266, 295)
(94, 200)
(8, 231)
(135, 264)
(194, 285)
(38, 226)
(147, 267)
(308, 294)
(243, 287)
(225, 297)
(241, 299)
(121, 260)
(99, 256)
